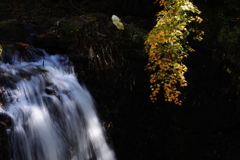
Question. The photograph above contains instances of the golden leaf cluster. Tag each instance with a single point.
(167, 47)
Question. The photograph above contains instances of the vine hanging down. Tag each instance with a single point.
(167, 45)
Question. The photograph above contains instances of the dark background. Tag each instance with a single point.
(205, 127)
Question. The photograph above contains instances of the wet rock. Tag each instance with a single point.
(52, 92)
(5, 120)
(30, 27)
(31, 39)
(4, 143)
(6, 123)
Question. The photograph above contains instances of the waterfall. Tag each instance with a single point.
(53, 116)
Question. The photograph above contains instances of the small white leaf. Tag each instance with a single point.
(117, 22)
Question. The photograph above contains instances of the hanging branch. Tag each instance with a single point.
(167, 45)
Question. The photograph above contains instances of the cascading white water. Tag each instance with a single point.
(54, 117)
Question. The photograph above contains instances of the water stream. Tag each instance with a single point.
(53, 116)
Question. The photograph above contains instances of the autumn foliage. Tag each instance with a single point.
(167, 46)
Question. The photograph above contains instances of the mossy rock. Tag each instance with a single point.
(99, 50)
(96, 40)
(7, 24)
(75, 25)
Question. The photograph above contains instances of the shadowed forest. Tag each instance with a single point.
(111, 63)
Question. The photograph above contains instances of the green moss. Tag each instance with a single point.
(77, 25)
(97, 15)
(7, 24)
